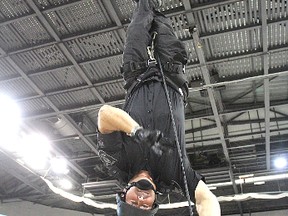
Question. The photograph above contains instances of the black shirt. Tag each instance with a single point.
(148, 106)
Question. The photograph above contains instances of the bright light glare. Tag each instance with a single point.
(10, 122)
(35, 150)
(212, 188)
(59, 165)
(88, 195)
(259, 183)
(36, 162)
(65, 184)
(280, 162)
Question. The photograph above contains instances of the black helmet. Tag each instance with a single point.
(124, 209)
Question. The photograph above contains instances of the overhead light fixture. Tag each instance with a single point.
(259, 183)
(66, 184)
(212, 188)
(10, 123)
(64, 128)
(35, 150)
(280, 162)
(88, 195)
(246, 176)
(59, 166)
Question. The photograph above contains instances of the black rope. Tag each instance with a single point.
(176, 137)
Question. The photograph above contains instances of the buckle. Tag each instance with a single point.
(151, 62)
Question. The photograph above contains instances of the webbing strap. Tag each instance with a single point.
(176, 137)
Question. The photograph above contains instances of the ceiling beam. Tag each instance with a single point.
(234, 138)
(111, 10)
(254, 87)
(63, 48)
(10, 166)
(265, 62)
(236, 108)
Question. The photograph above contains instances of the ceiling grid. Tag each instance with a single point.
(61, 59)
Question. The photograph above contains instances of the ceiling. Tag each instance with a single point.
(60, 60)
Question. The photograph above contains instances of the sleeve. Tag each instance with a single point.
(109, 142)
(193, 178)
(112, 154)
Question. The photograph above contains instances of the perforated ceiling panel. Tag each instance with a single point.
(61, 61)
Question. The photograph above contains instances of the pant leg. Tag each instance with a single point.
(168, 46)
(138, 34)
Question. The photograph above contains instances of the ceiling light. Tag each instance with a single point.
(66, 184)
(35, 151)
(10, 122)
(246, 176)
(88, 195)
(36, 162)
(59, 165)
(212, 188)
(35, 144)
(259, 183)
(280, 163)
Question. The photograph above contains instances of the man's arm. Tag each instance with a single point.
(112, 119)
(206, 202)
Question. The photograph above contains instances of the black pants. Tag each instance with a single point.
(144, 21)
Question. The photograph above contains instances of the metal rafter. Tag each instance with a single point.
(63, 48)
(111, 10)
(211, 93)
(253, 88)
(9, 166)
(263, 13)
(237, 108)
(207, 127)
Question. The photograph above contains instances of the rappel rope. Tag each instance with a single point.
(152, 58)
(177, 141)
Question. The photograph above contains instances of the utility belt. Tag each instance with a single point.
(135, 73)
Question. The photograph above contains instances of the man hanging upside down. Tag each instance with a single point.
(138, 145)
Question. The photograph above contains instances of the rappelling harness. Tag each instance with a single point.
(136, 73)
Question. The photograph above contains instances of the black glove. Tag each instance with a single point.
(146, 136)
(164, 145)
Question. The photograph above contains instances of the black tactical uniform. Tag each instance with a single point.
(147, 104)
